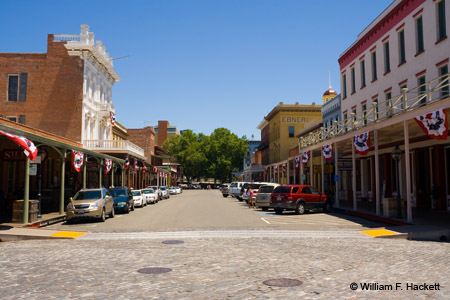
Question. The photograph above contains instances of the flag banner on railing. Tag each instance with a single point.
(112, 117)
(135, 164)
(275, 170)
(362, 143)
(155, 170)
(284, 168)
(297, 163)
(127, 162)
(305, 157)
(77, 160)
(160, 174)
(28, 147)
(327, 152)
(434, 124)
(108, 165)
(144, 168)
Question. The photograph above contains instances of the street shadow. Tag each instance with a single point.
(5, 227)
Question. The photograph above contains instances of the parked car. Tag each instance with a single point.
(255, 188)
(225, 189)
(298, 198)
(263, 198)
(150, 196)
(90, 203)
(235, 189)
(164, 192)
(138, 198)
(123, 199)
(172, 190)
(157, 191)
(178, 189)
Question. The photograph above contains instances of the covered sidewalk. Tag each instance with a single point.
(47, 178)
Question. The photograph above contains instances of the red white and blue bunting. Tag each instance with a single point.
(108, 166)
(144, 167)
(305, 158)
(275, 169)
(434, 124)
(112, 117)
(127, 162)
(297, 163)
(362, 143)
(77, 160)
(135, 164)
(327, 152)
(284, 168)
(28, 147)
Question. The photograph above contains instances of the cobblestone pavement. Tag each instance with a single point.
(223, 265)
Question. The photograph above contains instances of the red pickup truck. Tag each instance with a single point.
(298, 198)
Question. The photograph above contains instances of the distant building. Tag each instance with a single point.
(250, 169)
(284, 121)
(164, 132)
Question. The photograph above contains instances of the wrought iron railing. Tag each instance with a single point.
(410, 99)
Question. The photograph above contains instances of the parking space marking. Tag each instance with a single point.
(68, 234)
(379, 232)
(265, 220)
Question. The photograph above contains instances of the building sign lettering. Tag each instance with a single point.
(294, 120)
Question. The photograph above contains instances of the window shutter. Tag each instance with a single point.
(23, 86)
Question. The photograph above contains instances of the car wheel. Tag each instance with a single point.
(113, 213)
(327, 207)
(300, 209)
(265, 208)
(103, 216)
(278, 211)
(225, 195)
(69, 221)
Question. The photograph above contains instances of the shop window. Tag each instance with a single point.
(419, 35)
(291, 131)
(401, 47)
(445, 88)
(374, 65)
(441, 26)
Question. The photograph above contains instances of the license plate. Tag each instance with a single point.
(79, 211)
(278, 198)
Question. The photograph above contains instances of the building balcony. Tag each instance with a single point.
(115, 146)
(409, 100)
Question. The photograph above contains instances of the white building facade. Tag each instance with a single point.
(99, 78)
(404, 47)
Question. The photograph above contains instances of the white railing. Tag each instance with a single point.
(86, 39)
(113, 145)
(427, 93)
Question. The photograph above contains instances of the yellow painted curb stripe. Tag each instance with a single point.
(379, 232)
(68, 234)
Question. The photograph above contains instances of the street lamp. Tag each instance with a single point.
(395, 154)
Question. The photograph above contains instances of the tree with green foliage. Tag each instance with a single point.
(201, 156)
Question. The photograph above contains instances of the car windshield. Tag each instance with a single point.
(119, 192)
(148, 192)
(163, 188)
(83, 195)
(136, 193)
(266, 189)
(282, 190)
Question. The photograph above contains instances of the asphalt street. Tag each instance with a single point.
(281, 259)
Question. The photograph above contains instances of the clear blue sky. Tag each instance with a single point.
(203, 64)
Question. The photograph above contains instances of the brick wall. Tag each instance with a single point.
(144, 138)
(162, 131)
(54, 89)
